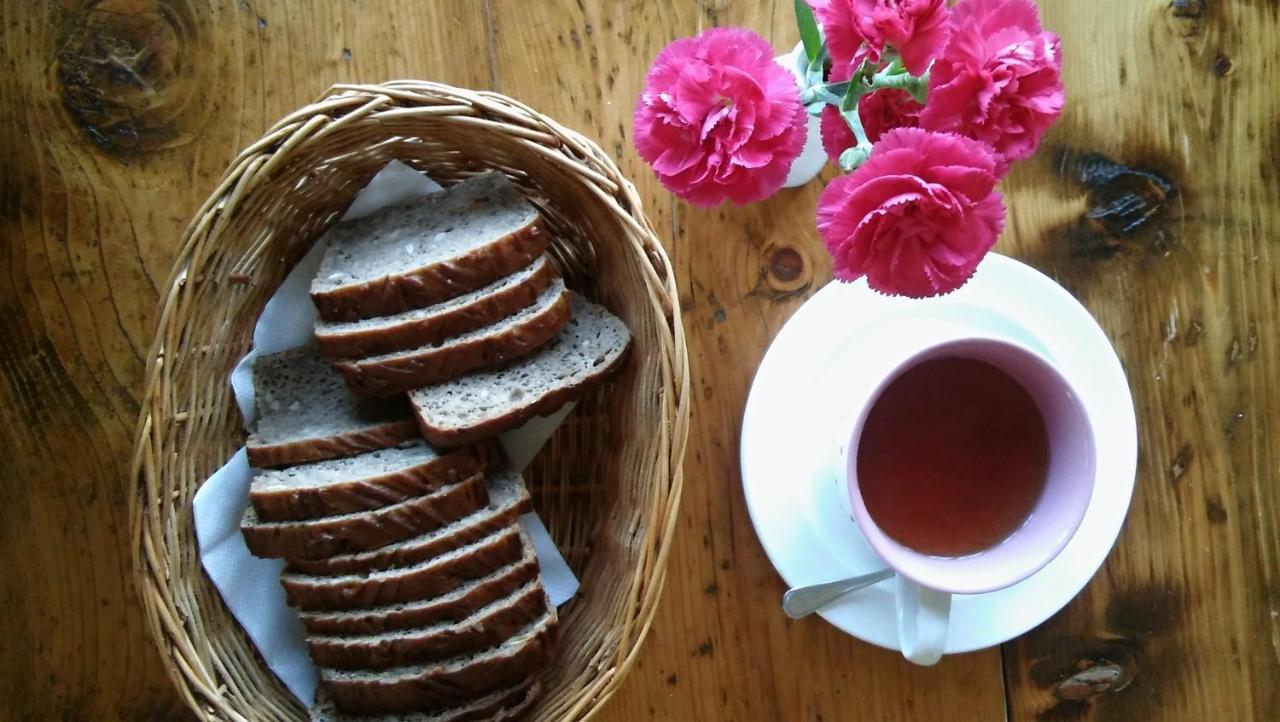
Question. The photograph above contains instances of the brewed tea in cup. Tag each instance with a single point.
(967, 467)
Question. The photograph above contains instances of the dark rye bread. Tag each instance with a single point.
(511, 338)
(306, 413)
(484, 403)
(452, 607)
(427, 250)
(432, 578)
(487, 627)
(367, 481)
(363, 530)
(441, 684)
(433, 324)
(508, 499)
(507, 703)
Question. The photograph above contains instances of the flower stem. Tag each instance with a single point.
(853, 157)
(895, 77)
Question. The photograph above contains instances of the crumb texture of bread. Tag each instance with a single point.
(484, 403)
(451, 607)
(427, 250)
(508, 499)
(432, 578)
(433, 324)
(306, 413)
(441, 684)
(511, 338)
(363, 530)
(486, 627)
(367, 481)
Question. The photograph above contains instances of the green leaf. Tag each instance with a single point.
(809, 34)
(850, 100)
(837, 89)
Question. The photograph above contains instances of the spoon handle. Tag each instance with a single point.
(803, 601)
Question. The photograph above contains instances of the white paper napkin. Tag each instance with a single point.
(251, 586)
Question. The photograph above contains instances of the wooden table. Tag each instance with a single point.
(1156, 201)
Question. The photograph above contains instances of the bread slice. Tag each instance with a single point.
(518, 710)
(433, 324)
(434, 577)
(452, 607)
(367, 481)
(363, 530)
(484, 403)
(487, 627)
(427, 250)
(508, 499)
(511, 338)
(415, 687)
(306, 413)
(507, 703)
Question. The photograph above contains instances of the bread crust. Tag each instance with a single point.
(506, 705)
(453, 437)
(432, 365)
(431, 579)
(434, 282)
(435, 687)
(410, 554)
(339, 342)
(327, 536)
(487, 628)
(368, 493)
(411, 615)
(264, 455)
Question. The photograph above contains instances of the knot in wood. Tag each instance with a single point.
(1097, 677)
(786, 270)
(126, 72)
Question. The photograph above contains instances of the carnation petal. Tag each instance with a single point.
(718, 119)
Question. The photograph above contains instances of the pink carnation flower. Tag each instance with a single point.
(999, 80)
(719, 119)
(917, 217)
(880, 112)
(837, 137)
(858, 30)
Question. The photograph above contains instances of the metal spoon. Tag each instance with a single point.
(802, 601)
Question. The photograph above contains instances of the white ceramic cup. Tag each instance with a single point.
(926, 583)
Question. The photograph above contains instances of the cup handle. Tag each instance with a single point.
(924, 615)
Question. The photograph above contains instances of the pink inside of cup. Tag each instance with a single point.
(1053, 520)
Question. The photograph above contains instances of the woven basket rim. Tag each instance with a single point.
(343, 104)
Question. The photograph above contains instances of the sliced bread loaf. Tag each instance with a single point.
(427, 250)
(508, 499)
(510, 338)
(415, 687)
(505, 704)
(363, 530)
(434, 577)
(306, 413)
(433, 324)
(487, 627)
(452, 607)
(484, 403)
(367, 481)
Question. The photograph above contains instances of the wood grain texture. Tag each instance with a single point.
(1156, 201)
(116, 120)
(719, 647)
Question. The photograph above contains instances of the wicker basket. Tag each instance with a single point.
(612, 514)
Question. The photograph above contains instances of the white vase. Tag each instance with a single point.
(807, 166)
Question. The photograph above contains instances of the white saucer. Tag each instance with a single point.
(785, 454)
